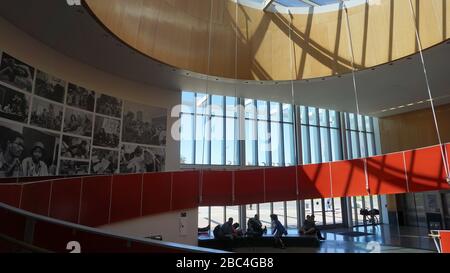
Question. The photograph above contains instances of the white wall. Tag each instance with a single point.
(165, 224)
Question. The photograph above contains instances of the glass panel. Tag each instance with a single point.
(329, 212)
(325, 144)
(312, 116)
(232, 141)
(362, 144)
(289, 153)
(291, 214)
(262, 110)
(371, 144)
(318, 211)
(354, 143)
(233, 212)
(202, 101)
(334, 119)
(250, 142)
(187, 101)
(314, 144)
(187, 139)
(217, 216)
(361, 123)
(203, 217)
(275, 114)
(287, 113)
(323, 118)
(338, 210)
(336, 144)
(217, 149)
(351, 121)
(275, 134)
(217, 105)
(263, 144)
(369, 125)
(231, 107)
(308, 207)
(250, 109)
(306, 148)
(201, 144)
(303, 115)
(264, 214)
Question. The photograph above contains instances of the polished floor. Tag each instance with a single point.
(371, 239)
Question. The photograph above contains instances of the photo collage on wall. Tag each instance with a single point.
(50, 126)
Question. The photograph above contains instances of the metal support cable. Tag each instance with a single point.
(430, 96)
(291, 48)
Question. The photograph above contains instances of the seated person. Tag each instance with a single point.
(309, 227)
(218, 232)
(237, 231)
(228, 230)
(254, 227)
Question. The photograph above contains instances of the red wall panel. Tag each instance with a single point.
(12, 224)
(126, 197)
(185, 190)
(95, 201)
(445, 241)
(386, 174)
(156, 193)
(348, 178)
(425, 169)
(281, 184)
(249, 187)
(10, 194)
(36, 197)
(314, 181)
(217, 188)
(65, 199)
(53, 237)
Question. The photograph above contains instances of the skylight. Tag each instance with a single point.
(296, 5)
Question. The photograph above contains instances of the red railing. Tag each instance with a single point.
(98, 200)
(22, 231)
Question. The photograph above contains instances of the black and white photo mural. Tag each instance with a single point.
(51, 126)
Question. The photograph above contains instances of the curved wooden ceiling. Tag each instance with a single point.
(177, 32)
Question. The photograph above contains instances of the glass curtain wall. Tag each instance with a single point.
(210, 136)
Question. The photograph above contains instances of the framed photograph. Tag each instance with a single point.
(144, 124)
(72, 167)
(46, 114)
(13, 104)
(26, 151)
(106, 132)
(80, 97)
(141, 159)
(104, 161)
(75, 147)
(50, 87)
(78, 122)
(16, 73)
(109, 106)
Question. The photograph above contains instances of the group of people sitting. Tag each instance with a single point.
(230, 230)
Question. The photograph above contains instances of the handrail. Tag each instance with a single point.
(169, 245)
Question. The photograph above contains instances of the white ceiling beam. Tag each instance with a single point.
(267, 4)
(311, 3)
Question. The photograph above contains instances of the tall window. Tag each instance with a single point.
(209, 129)
(321, 135)
(269, 133)
(360, 134)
